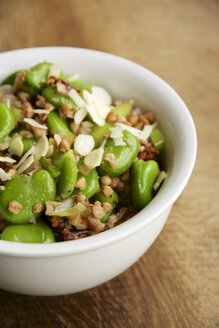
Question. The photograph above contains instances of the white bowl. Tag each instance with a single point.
(73, 266)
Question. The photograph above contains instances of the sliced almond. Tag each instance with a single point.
(94, 158)
(80, 115)
(96, 108)
(5, 143)
(28, 153)
(94, 115)
(16, 145)
(61, 88)
(4, 176)
(26, 164)
(147, 129)
(78, 100)
(102, 94)
(57, 138)
(84, 144)
(141, 134)
(7, 159)
(34, 123)
(41, 148)
(41, 111)
(50, 151)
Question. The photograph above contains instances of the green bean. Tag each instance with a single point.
(66, 164)
(28, 233)
(58, 125)
(7, 121)
(118, 159)
(22, 192)
(144, 174)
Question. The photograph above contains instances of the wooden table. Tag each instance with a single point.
(175, 284)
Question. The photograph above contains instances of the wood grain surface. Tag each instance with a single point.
(176, 283)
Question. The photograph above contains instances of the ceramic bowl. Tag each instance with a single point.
(74, 266)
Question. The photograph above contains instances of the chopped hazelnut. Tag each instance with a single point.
(15, 207)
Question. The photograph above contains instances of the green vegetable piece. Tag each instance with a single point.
(98, 132)
(66, 164)
(56, 99)
(38, 75)
(81, 85)
(29, 89)
(28, 143)
(157, 138)
(143, 177)
(28, 233)
(6, 121)
(105, 218)
(92, 183)
(102, 198)
(27, 191)
(122, 156)
(113, 200)
(124, 109)
(17, 114)
(72, 211)
(10, 78)
(49, 167)
(56, 124)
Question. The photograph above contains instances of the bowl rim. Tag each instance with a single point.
(137, 222)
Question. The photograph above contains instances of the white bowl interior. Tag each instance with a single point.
(124, 80)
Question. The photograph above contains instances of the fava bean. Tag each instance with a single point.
(58, 125)
(37, 75)
(118, 159)
(92, 183)
(22, 192)
(28, 233)
(102, 198)
(10, 78)
(29, 89)
(27, 143)
(99, 132)
(66, 164)
(124, 109)
(56, 99)
(113, 200)
(81, 85)
(143, 176)
(6, 121)
(17, 114)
